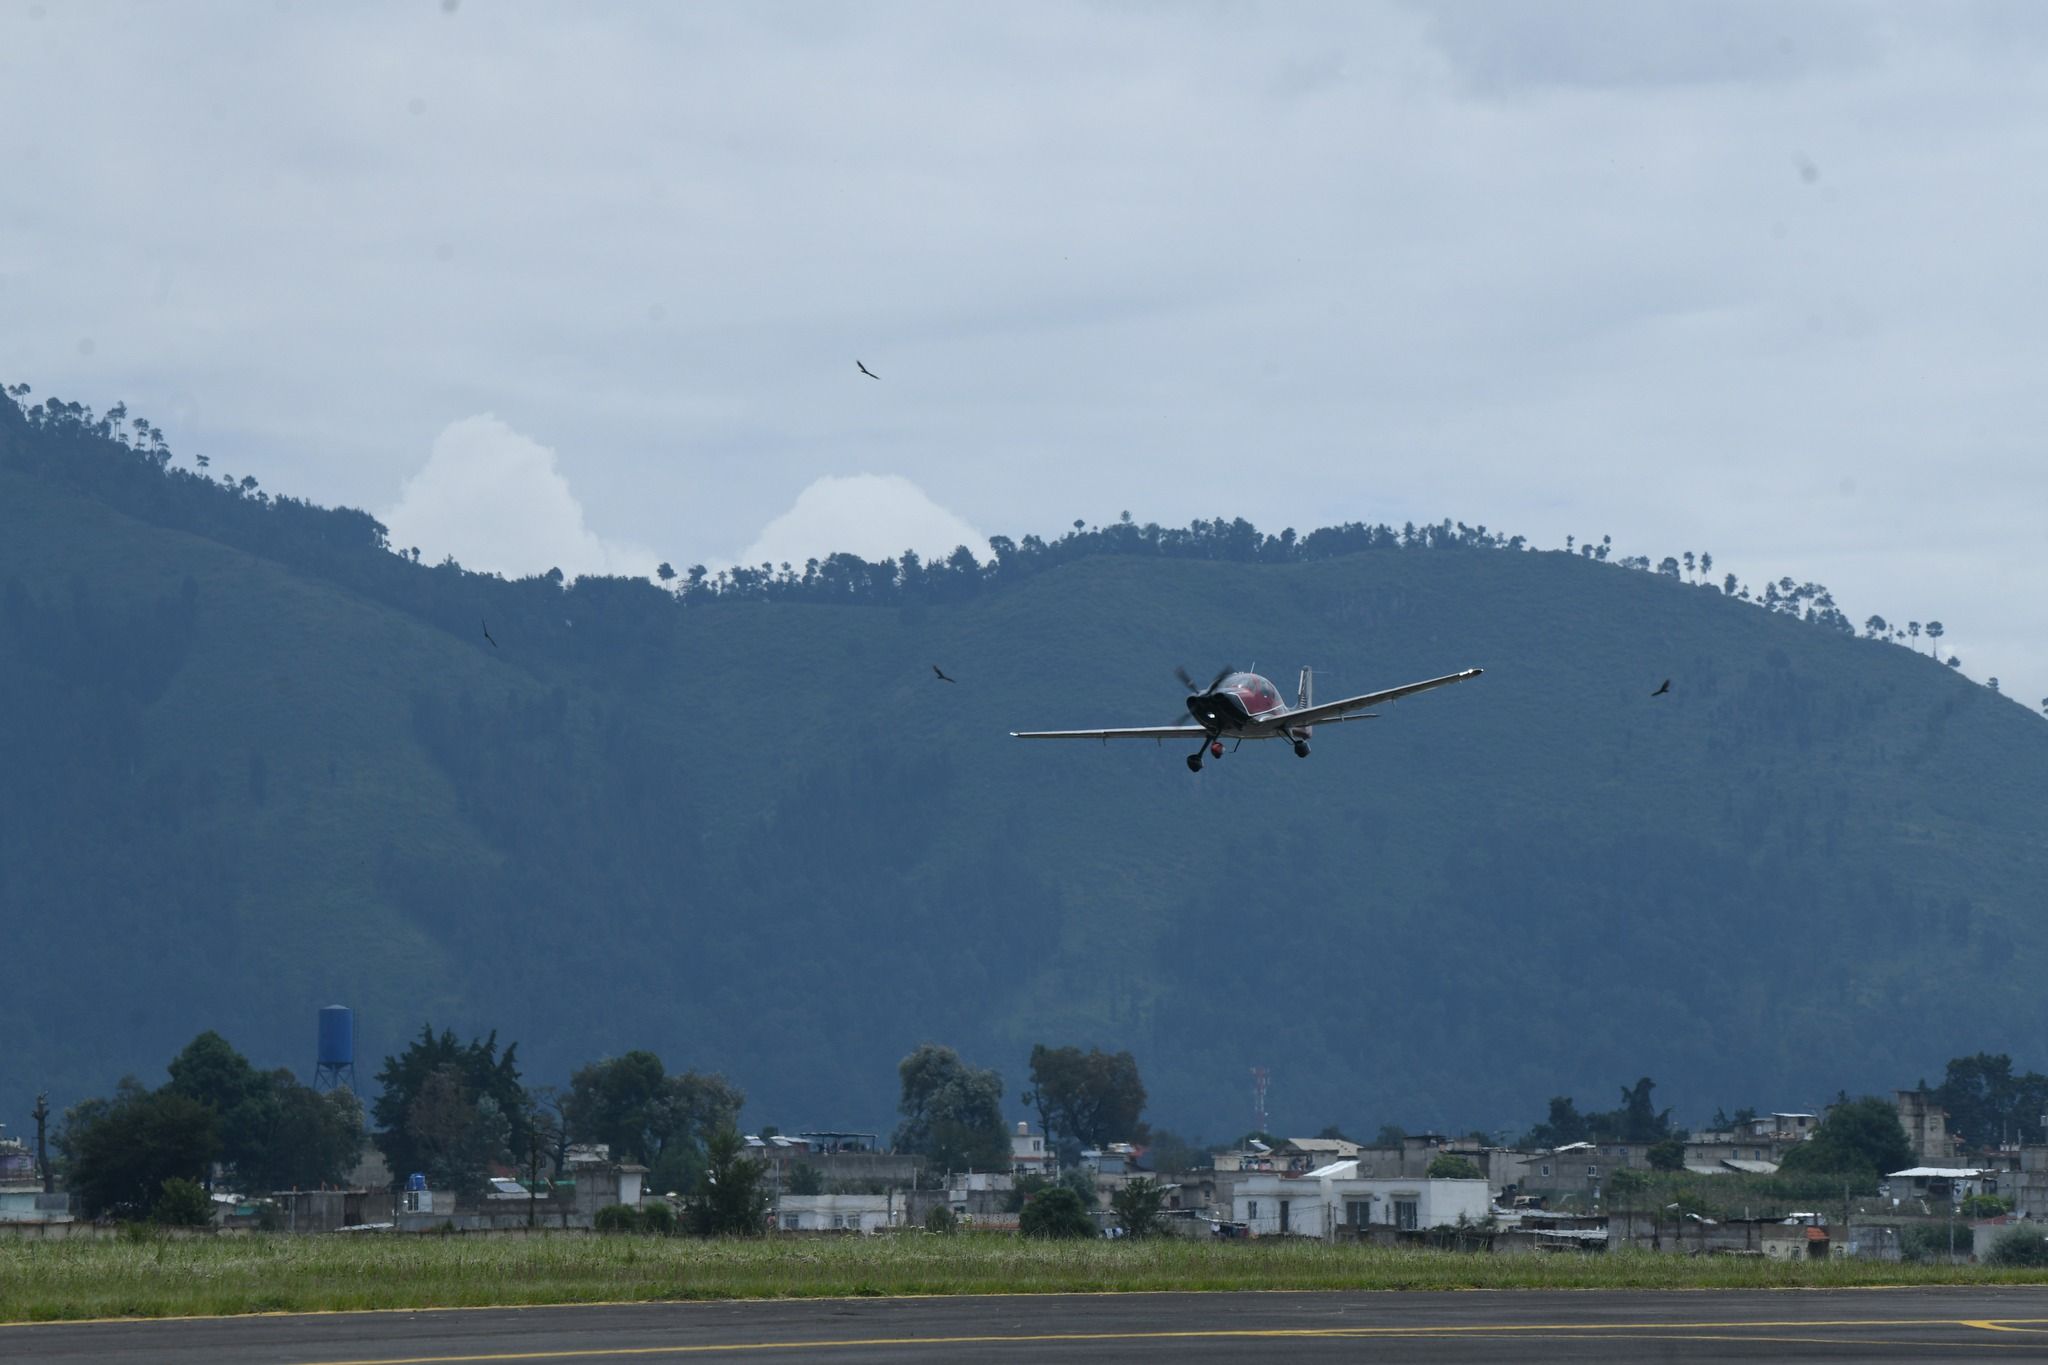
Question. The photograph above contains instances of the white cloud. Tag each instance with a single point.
(874, 516)
(493, 498)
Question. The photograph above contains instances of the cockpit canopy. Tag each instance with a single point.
(1258, 694)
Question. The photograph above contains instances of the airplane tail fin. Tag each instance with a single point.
(1306, 694)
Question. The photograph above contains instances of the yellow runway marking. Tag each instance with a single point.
(1590, 1331)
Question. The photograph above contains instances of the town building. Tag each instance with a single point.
(1331, 1199)
(1028, 1154)
(862, 1213)
(1926, 1125)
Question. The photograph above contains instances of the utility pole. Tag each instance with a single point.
(533, 1139)
(42, 1116)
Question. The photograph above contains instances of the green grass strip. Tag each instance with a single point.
(45, 1281)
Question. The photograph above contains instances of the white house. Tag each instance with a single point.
(837, 1212)
(1316, 1203)
(1027, 1152)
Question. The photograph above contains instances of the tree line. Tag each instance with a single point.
(457, 1111)
(126, 460)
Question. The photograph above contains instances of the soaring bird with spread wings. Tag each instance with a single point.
(1243, 706)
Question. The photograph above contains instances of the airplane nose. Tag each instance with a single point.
(1216, 708)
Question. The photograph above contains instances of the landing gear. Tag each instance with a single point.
(1301, 748)
(1194, 763)
(1215, 748)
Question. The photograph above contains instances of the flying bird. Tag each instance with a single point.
(865, 370)
(942, 674)
(487, 631)
(1663, 689)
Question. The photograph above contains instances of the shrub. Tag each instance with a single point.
(1928, 1243)
(183, 1204)
(616, 1218)
(1447, 1166)
(2023, 1245)
(1056, 1213)
(657, 1219)
(941, 1219)
(1137, 1207)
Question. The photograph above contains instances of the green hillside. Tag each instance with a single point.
(251, 763)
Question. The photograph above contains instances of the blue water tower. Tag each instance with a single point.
(337, 1064)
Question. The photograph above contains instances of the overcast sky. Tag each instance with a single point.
(584, 286)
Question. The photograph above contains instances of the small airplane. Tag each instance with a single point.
(1244, 706)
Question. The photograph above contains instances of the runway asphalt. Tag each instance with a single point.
(1916, 1324)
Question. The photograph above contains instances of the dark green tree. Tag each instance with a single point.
(732, 1198)
(210, 1071)
(1447, 1166)
(449, 1109)
(1137, 1207)
(1860, 1138)
(1564, 1125)
(1092, 1098)
(1056, 1213)
(1638, 1120)
(118, 1153)
(645, 1114)
(618, 1102)
(1169, 1151)
(182, 1203)
(295, 1138)
(1668, 1155)
(275, 1134)
(805, 1178)
(952, 1112)
(1987, 1103)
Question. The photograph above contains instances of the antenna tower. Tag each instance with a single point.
(1260, 1076)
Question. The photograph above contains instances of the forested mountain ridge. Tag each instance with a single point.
(255, 763)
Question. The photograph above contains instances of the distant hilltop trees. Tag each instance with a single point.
(126, 460)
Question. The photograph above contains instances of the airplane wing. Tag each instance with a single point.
(1324, 712)
(1141, 732)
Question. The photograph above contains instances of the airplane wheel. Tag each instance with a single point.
(1194, 763)
(1216, 748)
(1300, 748)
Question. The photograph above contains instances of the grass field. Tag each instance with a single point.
(171, 1277)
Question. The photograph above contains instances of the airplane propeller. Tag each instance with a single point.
(1196, 693)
